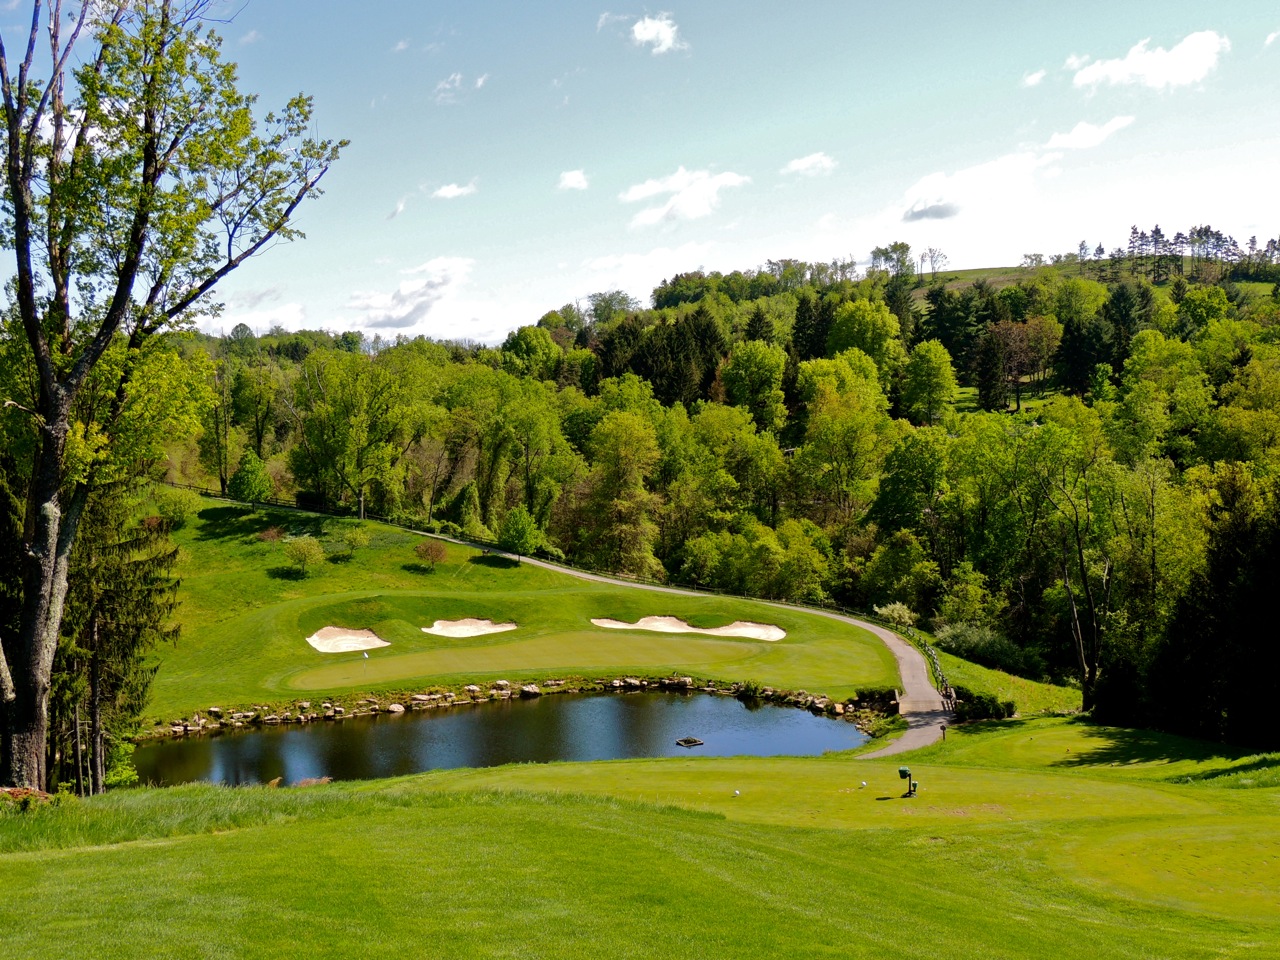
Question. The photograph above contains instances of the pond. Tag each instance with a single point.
(560, 727)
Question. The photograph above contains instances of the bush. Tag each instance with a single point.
(270, 535)
(304, 552)
(356, 538)
(897, 613)
(981, 706)
(250, 483)
(990, 648)
(176, 506)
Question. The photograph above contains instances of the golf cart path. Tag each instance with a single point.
(918, 701)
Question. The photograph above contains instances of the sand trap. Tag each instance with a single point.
(342, 640)
(469, 627)
(739, 628)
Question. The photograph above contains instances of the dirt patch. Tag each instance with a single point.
(343, 640)
(739, 628)
(469, 627)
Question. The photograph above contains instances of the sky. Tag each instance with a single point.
(507, 158)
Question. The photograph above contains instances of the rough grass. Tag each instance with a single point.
(245, 616)
(1030, 695)
(1025, 841)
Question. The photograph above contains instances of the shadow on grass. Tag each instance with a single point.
(340, 558)
(233, 522)
(417, 568)
(495, 560)
(286, 573)
(1120, 745)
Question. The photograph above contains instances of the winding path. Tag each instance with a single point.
(918, 701)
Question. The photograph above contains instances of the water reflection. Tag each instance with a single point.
(561, 727)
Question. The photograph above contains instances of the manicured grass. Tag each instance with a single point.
(1029, 695)
(245, 618)
(1025, 841)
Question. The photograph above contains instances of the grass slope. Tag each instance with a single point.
(1042, 838)
(245, 618)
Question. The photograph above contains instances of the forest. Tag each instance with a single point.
(1067, 471)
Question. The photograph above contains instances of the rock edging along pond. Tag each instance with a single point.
(637, 722)
(868, 709)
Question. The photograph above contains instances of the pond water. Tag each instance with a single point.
(560, 727)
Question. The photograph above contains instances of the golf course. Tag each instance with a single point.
(1036, 836)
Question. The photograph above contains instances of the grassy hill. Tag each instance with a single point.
(245, 618)
(1028, 839)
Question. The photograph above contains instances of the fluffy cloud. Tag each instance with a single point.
(447, 89)
(573, 180)
(1033, 79)
(409, 304)
(659, 33)
(253, 36)
(692, 194)
(1271, 38)
(482, 80)
(815, 164)
(400, 47)
(451, 191)
(1190, 61)
(1085, 135)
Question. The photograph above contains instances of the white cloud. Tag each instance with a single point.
(253, 36)
(639, 273)
(1033, 79)
(693, 194)
(400, 205)
(573, 180)
(447, 89)
(659, 33)
(1191, 60)
(451, 191)
(605, 19)
(815, 164)
(1085, 135)
(481, 80)
(400, 47)
(1271, 38)
(430, 284)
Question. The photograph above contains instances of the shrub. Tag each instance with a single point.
(897, 613)
(270, 535)
(304, 552)
(431, 551)
(981, 706)
(176, 506)
(356, 538)
(981, 644)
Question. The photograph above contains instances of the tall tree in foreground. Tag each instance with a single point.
(136, 178)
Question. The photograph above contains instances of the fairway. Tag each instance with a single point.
(245, 619)
(1042, 838)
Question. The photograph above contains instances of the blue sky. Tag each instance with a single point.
(509, 157)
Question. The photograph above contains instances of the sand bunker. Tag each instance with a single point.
(739, 628)
(342, 640)
(466, 628)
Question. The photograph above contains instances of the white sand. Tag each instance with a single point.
(342, 640)
(469, 627)
(739, 628)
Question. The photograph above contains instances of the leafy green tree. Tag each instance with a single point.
(519, 533)
(930, 382)
(622, 533)
(531, 351)
(133, 186)
(873, 329)
(305, 553)
(753, 379)
(1199, 307)
(251, 483)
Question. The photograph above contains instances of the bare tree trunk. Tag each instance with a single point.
(79, 755)
(97, 772)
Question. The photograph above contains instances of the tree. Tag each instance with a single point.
(753, 379)
(431, 552)
(519, 533)
(250, 483)
(930, 382)
(304, 552)
(873, 329)
(136, 177)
